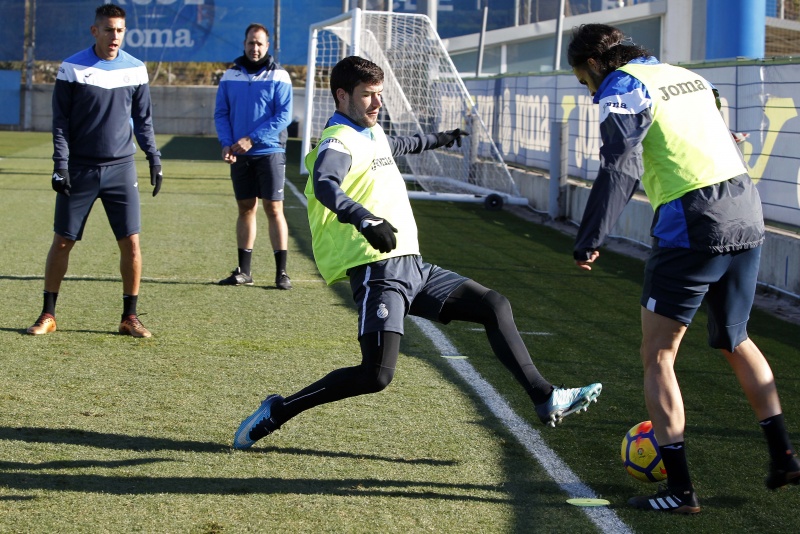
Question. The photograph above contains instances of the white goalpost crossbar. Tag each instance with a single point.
(422, 93)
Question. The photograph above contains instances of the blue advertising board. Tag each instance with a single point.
(12, 31)
(180, 30)
(205, 30)
(9, 96)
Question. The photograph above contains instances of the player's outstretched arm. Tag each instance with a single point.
(414, 144)
(450, 137)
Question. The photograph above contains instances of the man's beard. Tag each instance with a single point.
(361, 119)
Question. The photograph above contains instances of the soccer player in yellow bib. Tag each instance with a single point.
(363, 230)
(660, 125)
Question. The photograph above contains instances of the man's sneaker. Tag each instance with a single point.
(258, 425)
(565, 401)
(282, 281)
(132, 326)
(789, 474)
(237, 278)
(45, 324)
(668, 500)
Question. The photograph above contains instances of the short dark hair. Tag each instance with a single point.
(108, 11)
(351, 71)
(256, 26)
(605, 44)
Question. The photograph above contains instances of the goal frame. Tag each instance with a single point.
(441, 187)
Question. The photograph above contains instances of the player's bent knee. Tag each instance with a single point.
(379, 357)
(383, 378)
(374, 380)
(500, 306)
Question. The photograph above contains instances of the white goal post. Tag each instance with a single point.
(422, 93)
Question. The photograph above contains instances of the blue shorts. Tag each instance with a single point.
(259, 176)
(115, 185)
(386, 291)
(677, 280)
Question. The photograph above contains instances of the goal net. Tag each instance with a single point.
(422, 93)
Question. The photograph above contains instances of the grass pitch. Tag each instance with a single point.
(104, 433)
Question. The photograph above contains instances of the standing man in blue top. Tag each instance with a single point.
(254, 107)
(661, 126)
(97, 93)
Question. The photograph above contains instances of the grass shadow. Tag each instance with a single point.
(347, 487)
(87, 438)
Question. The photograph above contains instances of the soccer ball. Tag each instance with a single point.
(640, 454)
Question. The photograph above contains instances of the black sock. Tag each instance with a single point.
(245, 258)
(280, 260)
(129, 305)
(780, 448)
(477, 304)
(49, 305)
(674, 456)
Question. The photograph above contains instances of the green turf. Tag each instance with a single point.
(104, 433)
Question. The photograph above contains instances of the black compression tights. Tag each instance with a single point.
(379, 351)
(475, 303)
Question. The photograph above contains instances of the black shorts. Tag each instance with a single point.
(386, 291)
(259, 176)
(115, 185)
(677, 280)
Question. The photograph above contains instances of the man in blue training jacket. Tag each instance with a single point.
(99, 93)
(253, 109)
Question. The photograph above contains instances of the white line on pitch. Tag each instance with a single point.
(605, 519)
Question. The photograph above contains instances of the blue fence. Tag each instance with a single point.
(9, 96)
(759, 99)
(12, 30)
(163, 30)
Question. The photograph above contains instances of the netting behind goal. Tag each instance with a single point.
(422, 93)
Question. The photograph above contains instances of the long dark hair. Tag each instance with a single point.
(605, 44)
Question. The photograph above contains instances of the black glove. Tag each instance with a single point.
(449, 137)
(60, 181)
(155, 178)
(380, 234)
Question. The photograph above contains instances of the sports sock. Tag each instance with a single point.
(245, 259)
(129, 305)
(280, 260)
(674, 456)
(780, 448)
(49, 305)
(474, 303)
(379, 352)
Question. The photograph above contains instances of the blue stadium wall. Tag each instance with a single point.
(211, 30)
(12, 31)
(164, 30)
(204, 30)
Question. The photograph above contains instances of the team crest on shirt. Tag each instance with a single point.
(383, 312)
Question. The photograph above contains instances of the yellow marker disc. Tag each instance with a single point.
(588, 502)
